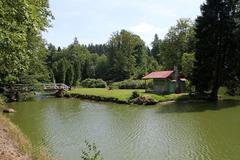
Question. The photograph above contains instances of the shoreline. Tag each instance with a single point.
(14, 145)
(121, 96)
(116, 101)
(184, 99)
(96, 98)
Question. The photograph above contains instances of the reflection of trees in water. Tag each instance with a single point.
(71, 106)
(181, 107)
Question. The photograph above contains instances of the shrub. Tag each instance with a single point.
(130, 84)
(144, 100)
(94, 83)
(3, 99)
(189, 87)
(91, 152)
(135, 94)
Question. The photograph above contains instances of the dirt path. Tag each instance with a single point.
(8, 148)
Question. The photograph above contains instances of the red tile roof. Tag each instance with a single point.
(158, 75)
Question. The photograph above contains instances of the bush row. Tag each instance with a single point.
(94, 83)
(96, 98)
(132, 84)
(127, 84)
(136, 98)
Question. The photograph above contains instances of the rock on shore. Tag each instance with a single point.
(8, 110)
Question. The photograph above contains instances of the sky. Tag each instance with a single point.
(94, 21)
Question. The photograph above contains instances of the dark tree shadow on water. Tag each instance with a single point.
(181, 107)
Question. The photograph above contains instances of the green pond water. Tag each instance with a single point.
(206, 131)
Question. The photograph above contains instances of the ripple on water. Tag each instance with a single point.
(125, 132)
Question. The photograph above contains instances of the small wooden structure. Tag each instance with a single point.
(166, 82)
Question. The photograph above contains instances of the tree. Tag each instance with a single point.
(20, 27)
(98, 48)
(102, 67)
(188, 60)
(153, 65)
(125, 50)
(70, 76)
(179, 40)
(51, 54)
(69, 65)
(217, 52)
(90, 66)
(60, 68)
(155, 52)
(77, 73)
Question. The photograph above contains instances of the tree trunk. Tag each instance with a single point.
(219, 67)
(214, 93)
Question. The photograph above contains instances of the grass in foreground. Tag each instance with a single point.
(123, 94)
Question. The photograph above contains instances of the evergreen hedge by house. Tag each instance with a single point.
(132, 84)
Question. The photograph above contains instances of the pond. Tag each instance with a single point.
(123, 132)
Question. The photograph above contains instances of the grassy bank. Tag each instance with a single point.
(14, 144)
(123, 94)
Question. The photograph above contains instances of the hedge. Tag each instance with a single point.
(93, 83)
(132, 84)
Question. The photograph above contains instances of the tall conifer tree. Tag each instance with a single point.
(216, 46)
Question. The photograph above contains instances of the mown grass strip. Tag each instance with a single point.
(123, 94)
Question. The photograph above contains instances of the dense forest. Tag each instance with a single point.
(124, 56)
(205, 51)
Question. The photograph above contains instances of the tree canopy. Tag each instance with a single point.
(217, 46)
(207, 51)
(21, 23)
(180, 39)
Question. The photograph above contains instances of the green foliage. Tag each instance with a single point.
(155, 52)
(102, 67)
(91, 152)
(20, 37)
(90, 66)
(217, 47)
(144, 100)
(122, 94)
(153, 65)
(3, 100)
(69, 76)
(188, 60)
(94, 83)
(130, 84)
(189, 87)
(125, 56)
(179, 40)
(126, 52)
(134, 95)
(60, 68)
(100, 49)
(71, 64)
(233, 88)
(38, 71)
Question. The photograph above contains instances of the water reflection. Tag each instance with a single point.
(181, 107)
(122, 132)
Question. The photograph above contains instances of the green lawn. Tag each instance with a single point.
(122, 94)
